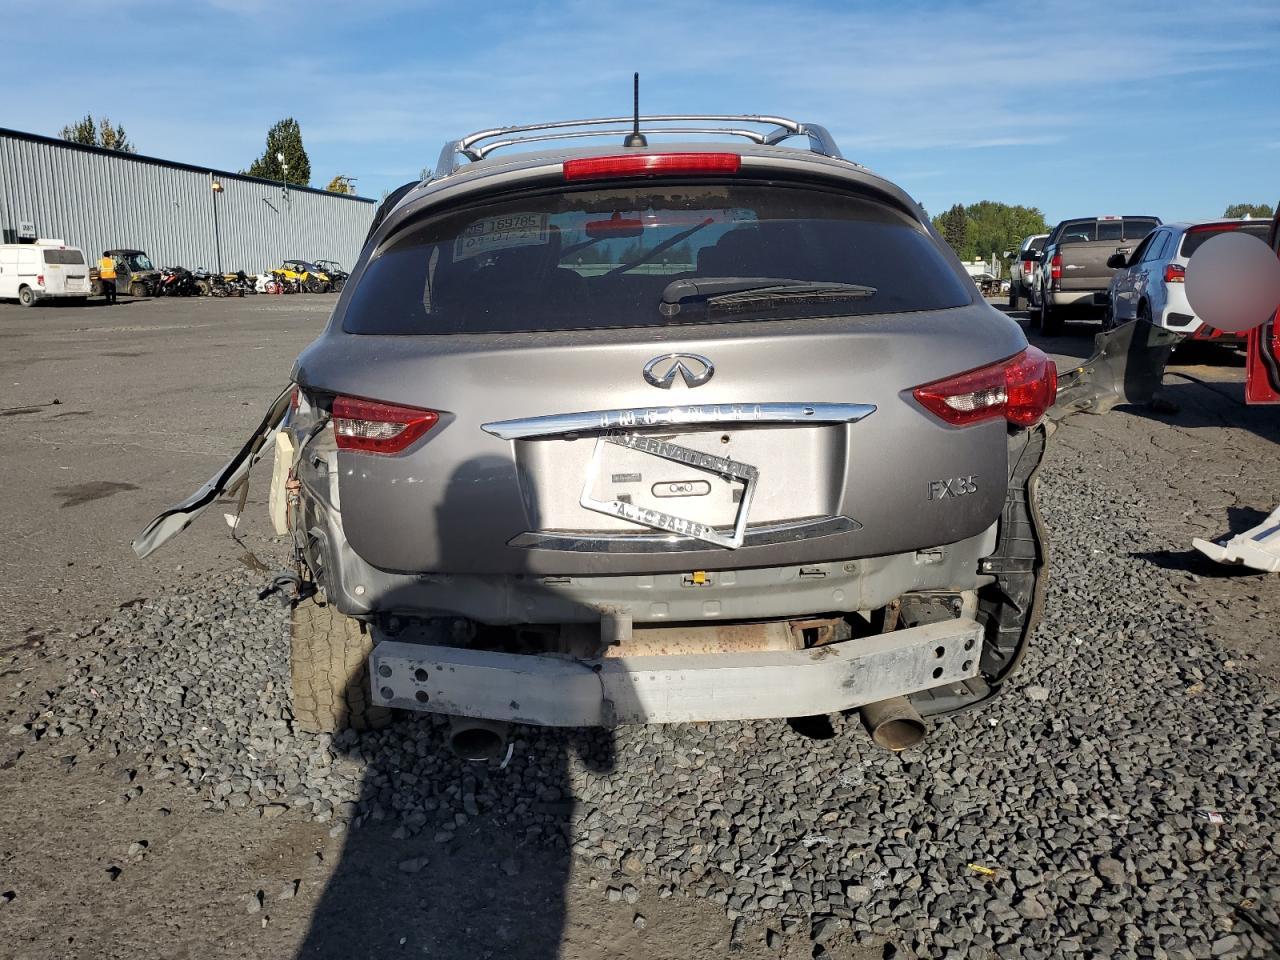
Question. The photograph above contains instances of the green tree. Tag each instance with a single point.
(996, 227)
(977, 231)
(284, 140)
(954, 228)
(1258, 211)
(100, 134)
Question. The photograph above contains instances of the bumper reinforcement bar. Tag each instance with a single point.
(564, 692)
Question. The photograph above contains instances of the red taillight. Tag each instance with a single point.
(651, 165)
(1055, 267)
(39, 279)
(1175, 273)
(372, 427)
(1028, 267)
(1020, 389)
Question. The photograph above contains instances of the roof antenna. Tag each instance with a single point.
(635, 138)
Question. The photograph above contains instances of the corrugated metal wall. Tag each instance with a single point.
(99, 200)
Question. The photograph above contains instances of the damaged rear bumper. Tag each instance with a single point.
(566, 692)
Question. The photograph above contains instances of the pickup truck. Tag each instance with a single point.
(1072, 271)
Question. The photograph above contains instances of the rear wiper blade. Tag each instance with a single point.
(729, 291)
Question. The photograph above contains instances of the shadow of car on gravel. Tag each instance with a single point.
(449, 858)
(1198, 403)
(1193, 561)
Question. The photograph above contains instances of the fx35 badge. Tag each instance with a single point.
(954, 487)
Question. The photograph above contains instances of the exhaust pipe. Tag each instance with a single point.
(894, 723)
(473, 739)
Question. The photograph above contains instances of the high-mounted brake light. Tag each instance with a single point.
(1175, 273)
(1019, 389)
(372, 427)
(651, 165)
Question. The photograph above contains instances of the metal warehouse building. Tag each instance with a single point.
(181, 215)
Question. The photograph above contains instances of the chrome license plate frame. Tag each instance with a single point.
(733, 470)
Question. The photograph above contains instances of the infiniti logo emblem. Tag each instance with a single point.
(693, 368)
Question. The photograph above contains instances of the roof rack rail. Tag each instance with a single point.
(473, 147)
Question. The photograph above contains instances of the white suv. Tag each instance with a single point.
(1150, 284)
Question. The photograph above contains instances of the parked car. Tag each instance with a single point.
(1072, 271)
(136, 275)
(333, 270)
(308, 276)
(1149, 283)
(44, 270)
(1022, 269)
(536, 470)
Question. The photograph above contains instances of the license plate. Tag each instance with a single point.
(732, 470)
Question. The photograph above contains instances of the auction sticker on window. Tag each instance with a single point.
(499, 233)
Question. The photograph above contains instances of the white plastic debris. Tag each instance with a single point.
(1258, 547)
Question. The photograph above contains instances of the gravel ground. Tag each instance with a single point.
(1065, 819)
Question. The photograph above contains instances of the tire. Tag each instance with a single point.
(329, 667)
(204, 289)
(1051, 322)
(1035, 313)
(26, 297)
(1144, 312)
(1109, 316)
(1015, 301)
(137, 289)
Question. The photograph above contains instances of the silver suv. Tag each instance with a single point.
(655, 433)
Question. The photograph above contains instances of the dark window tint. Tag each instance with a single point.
(1193, 239)
(1037, 243)
(1082, 231)
(1142, 253)
(1110, 230)
(73, 257)
(1135, 228)
(602, 258)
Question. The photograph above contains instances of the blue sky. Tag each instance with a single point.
(1078, 108)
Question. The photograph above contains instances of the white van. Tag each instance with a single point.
(40, 270)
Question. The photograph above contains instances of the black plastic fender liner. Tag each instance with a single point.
(1127, 366)
(1009, 608)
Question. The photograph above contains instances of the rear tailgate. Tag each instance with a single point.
(1084, 265)
(474, 498)
(1084, 261)
(790, 425)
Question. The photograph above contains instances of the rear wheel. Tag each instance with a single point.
(1050, 319)
(27, 297)
(1144, 312)
(1035, 314)
(137, 289)
(329, 667)
(1109, 316)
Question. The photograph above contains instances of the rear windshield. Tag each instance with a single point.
(1037, 243)
(64, 256)
(1194, 239)
(593, 259)
(1128, 228)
